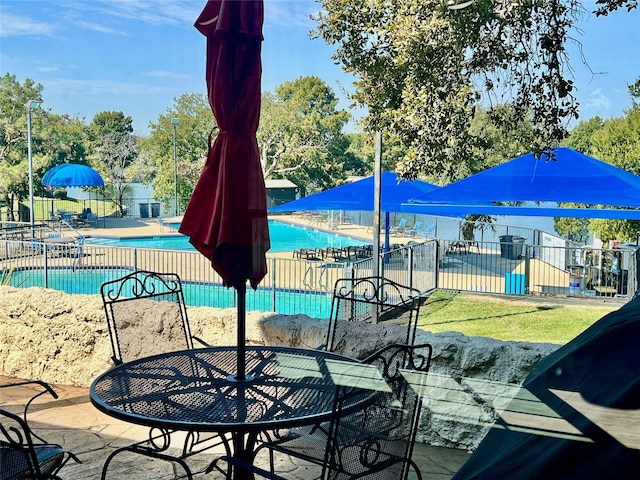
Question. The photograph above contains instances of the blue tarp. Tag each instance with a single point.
(570, 177)
(359, 195)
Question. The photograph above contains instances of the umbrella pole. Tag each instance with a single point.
(241, 328)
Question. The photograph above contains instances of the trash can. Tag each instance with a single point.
(155, 210)
(518, 247)
(144, 210)
(505, 245)
(511, 247)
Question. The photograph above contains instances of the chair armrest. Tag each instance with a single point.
(45, 386)
(200, 341)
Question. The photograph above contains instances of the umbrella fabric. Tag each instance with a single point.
(358, 195)
(226, 218)
(72, 175)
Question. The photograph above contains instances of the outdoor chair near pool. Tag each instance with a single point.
(375, 301)
(23, 453)
(400, 228)
(369, 435)
(146, 315)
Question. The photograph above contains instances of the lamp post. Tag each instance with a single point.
(31, 105)
(175, 122)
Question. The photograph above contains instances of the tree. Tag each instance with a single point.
(300, 134)
(615, 141)
(114, 148)
(196, 128)
(419, 65)
(13, 138)
(580, 138)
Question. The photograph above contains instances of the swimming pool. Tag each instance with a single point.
(88, 281)
(285, 237)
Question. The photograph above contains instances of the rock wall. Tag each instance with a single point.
(63, 339)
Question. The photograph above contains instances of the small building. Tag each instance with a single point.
(280, 191)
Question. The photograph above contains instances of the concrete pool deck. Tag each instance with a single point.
(145, 227)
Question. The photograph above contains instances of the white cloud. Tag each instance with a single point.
(96, 27)
(12, 25)
(169, 75)
(598, 100)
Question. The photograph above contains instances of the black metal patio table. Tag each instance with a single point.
(196, 390)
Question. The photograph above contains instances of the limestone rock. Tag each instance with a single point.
(63, 339)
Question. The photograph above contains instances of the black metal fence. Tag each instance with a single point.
(295, 286)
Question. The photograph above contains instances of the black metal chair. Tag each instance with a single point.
(146, 315)
(374, 300)
(24, 454)
(375, 438)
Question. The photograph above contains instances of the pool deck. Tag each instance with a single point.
(73, 421)
(145, 227)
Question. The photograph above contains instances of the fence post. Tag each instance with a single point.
(273, 282)
(527, 269)
(46, 265)
(410, 267)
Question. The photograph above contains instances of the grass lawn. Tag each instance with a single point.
(529, 320)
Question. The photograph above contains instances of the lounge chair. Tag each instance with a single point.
(413, 231)
(166, 226)
(400, 228)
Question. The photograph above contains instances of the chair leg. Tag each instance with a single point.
(148, 453)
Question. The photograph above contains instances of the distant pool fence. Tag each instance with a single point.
(538, 264)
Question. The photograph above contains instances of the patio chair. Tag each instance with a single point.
(374, 300)
(23, 453)
(400, 228)
(413, 231)
(375, 438)
(146, 315)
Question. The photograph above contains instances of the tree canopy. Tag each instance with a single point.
(423, 67)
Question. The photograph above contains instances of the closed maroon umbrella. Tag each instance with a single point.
(226, 218)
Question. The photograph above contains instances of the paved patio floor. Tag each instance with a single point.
(72, 421)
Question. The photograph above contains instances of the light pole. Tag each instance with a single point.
(175, 122)
(31, 105)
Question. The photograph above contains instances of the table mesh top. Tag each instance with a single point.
(194, 389)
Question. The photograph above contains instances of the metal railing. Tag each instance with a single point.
(294, 286)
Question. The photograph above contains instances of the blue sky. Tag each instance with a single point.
(136, 56)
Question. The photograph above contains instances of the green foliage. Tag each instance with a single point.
(300, 134)
(418, 63)
(615, 141)
(362, 146)
(114, 149)
(196, 125)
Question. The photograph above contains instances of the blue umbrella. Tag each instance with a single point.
(71, 175)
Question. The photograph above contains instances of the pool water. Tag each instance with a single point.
(284, 238)
(88, 281)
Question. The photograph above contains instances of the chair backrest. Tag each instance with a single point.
(23, 454)
(373, 300)
(18, 457)
(371, 434)
(146, 315)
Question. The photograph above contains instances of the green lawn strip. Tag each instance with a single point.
(506, 319)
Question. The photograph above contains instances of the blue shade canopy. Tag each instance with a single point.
(359, 195)
(72, 175)
(571, 177)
